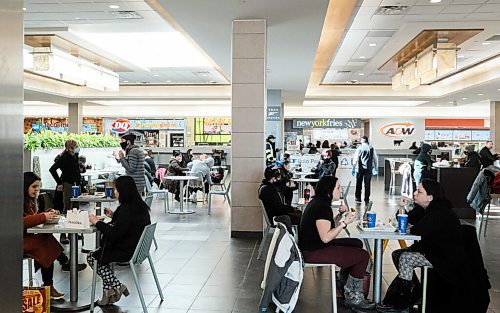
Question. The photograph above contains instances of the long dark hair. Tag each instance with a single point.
(325, 187)
(30, 204)
(128, 193)
(434, 189)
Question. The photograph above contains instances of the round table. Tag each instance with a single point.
(181, 180)
(303, 181)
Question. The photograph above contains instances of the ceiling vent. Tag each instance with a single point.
(344, 72)
(392, 10)
(126, 15)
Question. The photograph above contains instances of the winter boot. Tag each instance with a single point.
(354, 297)
(400, 295)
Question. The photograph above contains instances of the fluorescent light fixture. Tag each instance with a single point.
(371, 103)
(486, 43)
(480, 94)
(156, 75)
(435, 1)
(372, 44)
(362, 57)
(77, 18)
(460, 56)
(464, 98)
(24, 9)
(139, 103)
(361, 74)
(150, 49)
(114, 6)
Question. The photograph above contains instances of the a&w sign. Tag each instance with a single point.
(398, 129)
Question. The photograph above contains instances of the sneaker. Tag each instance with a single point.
(79, 267)
(54, 294)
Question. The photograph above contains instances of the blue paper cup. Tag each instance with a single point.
(109, 192)
(76, 191)
(402, 223)
(371, 219)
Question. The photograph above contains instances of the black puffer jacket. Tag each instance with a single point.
(70, 169)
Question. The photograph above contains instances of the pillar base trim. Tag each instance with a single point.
(247, 234)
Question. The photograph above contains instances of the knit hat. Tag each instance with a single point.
(470, 148)
(426, 147)
(271, 172)
(129, 136)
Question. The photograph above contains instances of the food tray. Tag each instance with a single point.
(384, 228)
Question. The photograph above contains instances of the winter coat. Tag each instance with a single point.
(441, 241)
(365, 157)
(271, 152)
(285, 271)
(134, 166)
(479, 194)
(43, 248)
(70, 169)
(273, 201)
(151, 164)
(473, 160)
(422, 164)
(327, 168)
(196, 167)
(487, 158)
(121, 235)
(174, 169)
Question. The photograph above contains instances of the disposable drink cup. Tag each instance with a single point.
(402, 223)
(76, 191)
(109, 192)
(371, 219)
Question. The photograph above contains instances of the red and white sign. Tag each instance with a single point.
(398, 129)
(120, 125)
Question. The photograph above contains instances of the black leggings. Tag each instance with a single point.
(47, 273)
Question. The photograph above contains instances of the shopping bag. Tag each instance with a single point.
(36, 299)
(77, 219)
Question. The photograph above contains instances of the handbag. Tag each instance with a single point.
(77, 219)
(36, 299)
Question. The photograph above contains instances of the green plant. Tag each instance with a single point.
(48, 140)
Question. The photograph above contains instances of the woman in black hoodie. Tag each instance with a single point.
(440, 247)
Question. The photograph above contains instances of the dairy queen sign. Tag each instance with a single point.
(398, 129)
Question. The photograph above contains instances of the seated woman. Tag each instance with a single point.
(174, 169)
(319, 244)
(43, 248)
(119, 237)
(440, 247)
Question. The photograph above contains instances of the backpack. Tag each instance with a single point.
(495, 186)
(217, 176)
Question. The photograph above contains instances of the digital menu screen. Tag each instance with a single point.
(443, 135)
(462, 135)
(481, 135)
(429, 134)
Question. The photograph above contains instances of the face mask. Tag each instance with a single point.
(77, 150)
(123, 145)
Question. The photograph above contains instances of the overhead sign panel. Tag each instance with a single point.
(326, 123)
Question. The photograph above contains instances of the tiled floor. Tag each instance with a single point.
(202, 270)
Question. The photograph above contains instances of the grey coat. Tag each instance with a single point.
(479, 194)
(133, 163)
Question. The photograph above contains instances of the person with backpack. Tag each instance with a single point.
(366, 162)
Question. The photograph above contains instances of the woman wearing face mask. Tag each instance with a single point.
(440, 247)
(273, 200)
(318, 242)
(326, 166)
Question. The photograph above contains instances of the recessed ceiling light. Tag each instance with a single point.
(156, 75)
(361, 74)
(486, 43)
(24, 9)
(77, 18)
(169, 81)
(114, 6)
(372, 44)
(480, 94)
(435, 1)
(362, 57)
(464, 98)
(450, 102)
(460, 56)
(125, 81)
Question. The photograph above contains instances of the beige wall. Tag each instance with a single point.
(248, 111)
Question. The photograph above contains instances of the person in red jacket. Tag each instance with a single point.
(43, 248)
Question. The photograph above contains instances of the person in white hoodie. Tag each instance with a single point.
(200, 165)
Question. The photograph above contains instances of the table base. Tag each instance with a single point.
(182, 212)
(68, 306)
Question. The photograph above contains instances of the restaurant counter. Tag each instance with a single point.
(162, 155)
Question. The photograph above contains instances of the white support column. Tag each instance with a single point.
(248, 116)
(495, 125)
(75, 117)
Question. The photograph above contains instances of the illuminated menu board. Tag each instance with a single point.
(443, 135)
(462, 135)
(481, 135)
(429, 134)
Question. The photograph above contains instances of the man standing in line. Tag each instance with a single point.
(488, 158)
(270, 150)
(366, 160)
(133, 161)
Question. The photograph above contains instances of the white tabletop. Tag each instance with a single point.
(356, 232)
(181, 177)
(59, 228)
(306, 180)
(219, 166)
(91, 198)
(103, 171)
(303, 173)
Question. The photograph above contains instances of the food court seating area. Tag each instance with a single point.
(202, 270)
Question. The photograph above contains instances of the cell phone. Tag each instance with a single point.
(353, 210)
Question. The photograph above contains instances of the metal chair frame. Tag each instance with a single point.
(224, 193)
(141, 253)
(164, 192)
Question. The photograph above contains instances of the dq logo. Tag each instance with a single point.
(399, 129)
(120, 125)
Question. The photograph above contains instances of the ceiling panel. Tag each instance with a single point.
(425, 9)
(489, 8)
(468, 1)
(398, 2)
(462, 8)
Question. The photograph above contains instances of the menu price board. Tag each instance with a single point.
(443, 135)
(462, 135)
(481, 135)
(429, 134)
